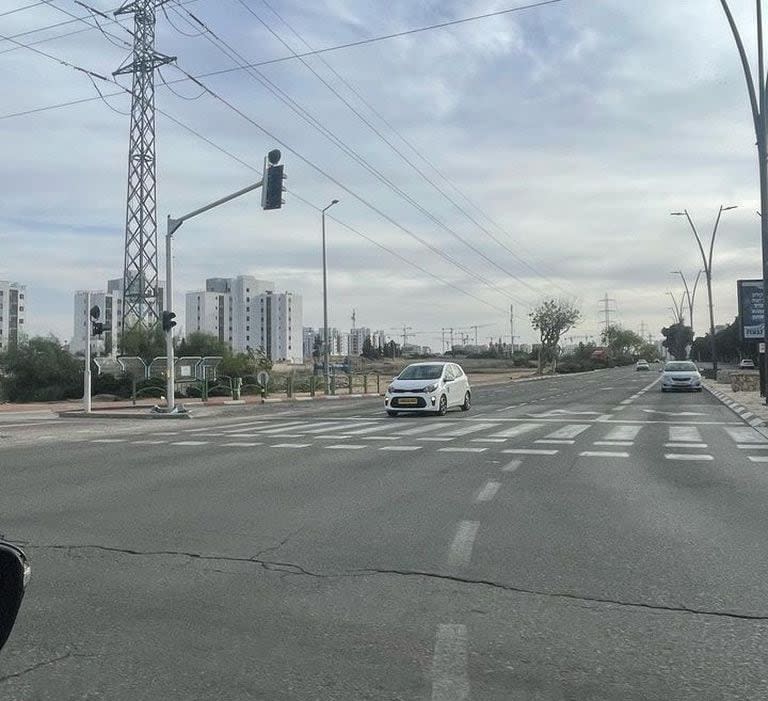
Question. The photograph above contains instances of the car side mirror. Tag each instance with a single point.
(14, 575)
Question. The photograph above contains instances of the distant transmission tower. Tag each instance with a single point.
(607, 310)
(140, 283)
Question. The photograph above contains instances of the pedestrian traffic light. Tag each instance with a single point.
(168, 321)
(272, 182)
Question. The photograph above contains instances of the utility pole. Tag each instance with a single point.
(475, 328)
(443, 331)
(87, 374)
(406, 334)
(690, 295)
(607, 310)
(451, 337)
(141, 302)
(512, 326)
(758, 104)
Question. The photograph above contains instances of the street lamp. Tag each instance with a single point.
(691, 296)
(678, 308)
(707, 261)
(326, 366)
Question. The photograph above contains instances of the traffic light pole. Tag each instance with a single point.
(87, 373)
(173, 225)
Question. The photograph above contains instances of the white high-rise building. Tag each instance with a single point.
(13, 307)
(247, 313)
(110, 304)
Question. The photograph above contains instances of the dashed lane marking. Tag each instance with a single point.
(686, 445)
(460, 551)
(512, 466)
(461, 450)
(449, 664)
(402, 448)
(488, 491)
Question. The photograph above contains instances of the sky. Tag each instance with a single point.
(498, 162)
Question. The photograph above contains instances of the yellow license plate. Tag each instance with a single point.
(409, 401)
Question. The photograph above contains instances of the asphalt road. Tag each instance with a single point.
(583, 537)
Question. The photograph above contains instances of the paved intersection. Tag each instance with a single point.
(574, 538)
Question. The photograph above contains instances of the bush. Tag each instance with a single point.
(40, 371)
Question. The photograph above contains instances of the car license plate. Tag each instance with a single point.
(410, 401)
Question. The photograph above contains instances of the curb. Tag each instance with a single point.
(147, 415)
(742, 412)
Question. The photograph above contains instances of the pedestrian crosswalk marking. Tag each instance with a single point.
(517, 430)
(684, 434)
(469, 429)
(602, 454)
(756, 446)
(402, 448)
(758, 458)
(292, 426)
(427, 427)
(615, 444)
(687, 456)
(109, 440)
(370, 429)
(555, 441)
(241, 444)
(686, 445)
(189, 443)
(290, 445)
(623, 433)
(570, 431)
(345, 446)
(530, 451)
(461, 450)
(742, 434)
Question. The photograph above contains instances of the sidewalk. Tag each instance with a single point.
(749, 406)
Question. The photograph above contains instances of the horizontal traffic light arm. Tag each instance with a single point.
(175, 223)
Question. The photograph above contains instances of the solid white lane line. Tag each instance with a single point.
(190, 443)
(684, 434)
(460, 551)
(555, 441)
(602, 454)
(686, 445)
(756, 446)
(487, 440)
(488, 491)
(344, 446)
(687, 456)
(511, 466)
(615, 444)
(402, 448)
(449, 664)
(436, 440)
(570, 431)
(758, 458)
(623, 433)
(109, 440)
(241, 444)
(530, 451)
(517, 430)
(147, 442)
(461, 450)
(290, 445)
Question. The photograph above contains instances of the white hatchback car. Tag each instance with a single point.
(431, 387)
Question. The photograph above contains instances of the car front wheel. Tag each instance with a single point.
(467, 402)
(442, 408)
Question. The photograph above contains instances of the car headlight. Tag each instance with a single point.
(391, 389)
(431, 388)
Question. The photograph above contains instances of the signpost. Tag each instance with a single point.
(751, 310)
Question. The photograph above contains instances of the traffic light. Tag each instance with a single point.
(272, 183)
(98, 328)
(168, 321)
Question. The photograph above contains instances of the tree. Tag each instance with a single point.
(391, 350)
(621, 343)
(369, 351)
(677, 338)
(40, 370)
(552, 318)
(142, 342)
(202, 344)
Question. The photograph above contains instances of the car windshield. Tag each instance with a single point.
(421, 372)
(680, 367)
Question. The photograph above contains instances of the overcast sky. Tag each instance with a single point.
(561, 138)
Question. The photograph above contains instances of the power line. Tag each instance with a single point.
(211, 143)
(392, 128)
(315, 123)
(19, 9)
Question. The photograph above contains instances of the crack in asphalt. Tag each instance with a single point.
(44, 663)
(295, 569)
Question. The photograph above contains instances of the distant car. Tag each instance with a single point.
(429, 387)
(642, 365)
(747, 364)
(680, 375)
